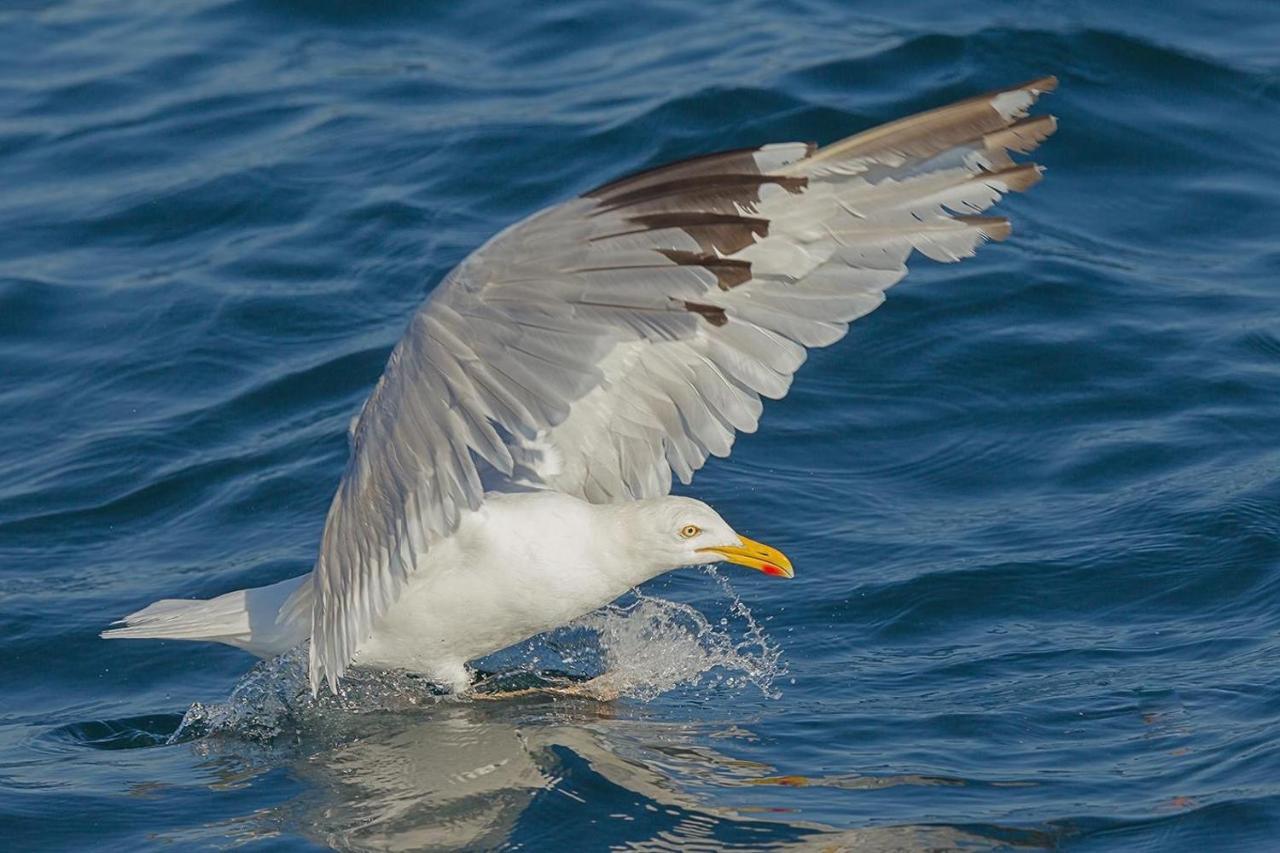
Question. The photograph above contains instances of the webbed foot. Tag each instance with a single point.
(602, 688)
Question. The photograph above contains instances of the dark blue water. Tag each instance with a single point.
(1032, 501)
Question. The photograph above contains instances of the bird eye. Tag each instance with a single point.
(690, 530)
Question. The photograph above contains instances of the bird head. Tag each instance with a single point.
(694, 534)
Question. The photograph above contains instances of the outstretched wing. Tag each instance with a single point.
(605, 343)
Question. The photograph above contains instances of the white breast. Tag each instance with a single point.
(523, 564)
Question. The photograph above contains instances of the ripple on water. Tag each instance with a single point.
(1032, 498)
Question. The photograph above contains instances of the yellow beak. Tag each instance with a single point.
(758, 556)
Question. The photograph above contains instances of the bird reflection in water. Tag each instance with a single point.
(542, 773)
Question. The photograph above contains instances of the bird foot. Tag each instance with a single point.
(602, 688)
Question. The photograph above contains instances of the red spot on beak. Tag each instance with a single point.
(771, 569)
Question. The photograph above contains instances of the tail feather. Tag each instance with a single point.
(264, 621)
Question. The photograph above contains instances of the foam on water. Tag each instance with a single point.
(643, 648)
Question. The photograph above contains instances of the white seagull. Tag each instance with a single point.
(510, 471)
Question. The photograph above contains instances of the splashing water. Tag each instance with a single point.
(273, 700)
(653, 646)
(645, 648)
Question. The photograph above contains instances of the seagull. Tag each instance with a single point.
(511, 470)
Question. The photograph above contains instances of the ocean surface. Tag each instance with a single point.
(1033, 501)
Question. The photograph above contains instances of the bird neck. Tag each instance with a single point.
(625, 550)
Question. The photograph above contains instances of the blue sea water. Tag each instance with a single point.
(1032, 501)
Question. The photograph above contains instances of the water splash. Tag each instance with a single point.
(643, 648)
(273, 701)
(653, 646)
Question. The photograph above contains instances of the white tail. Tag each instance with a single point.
(264, 621)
